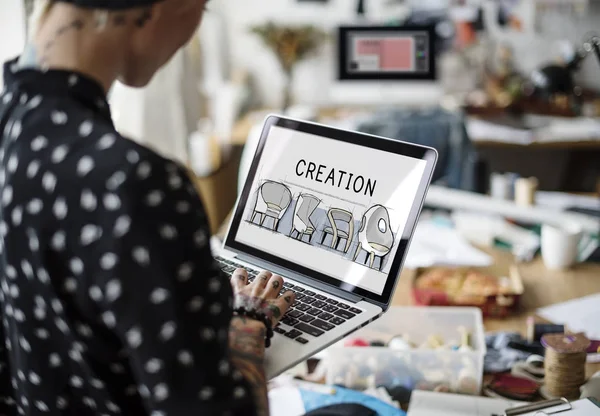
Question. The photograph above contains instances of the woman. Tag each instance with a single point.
(111, 301)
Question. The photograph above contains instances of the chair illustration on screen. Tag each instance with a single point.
(375, 235)
(337, 218)
(273, 200)
(301, 224)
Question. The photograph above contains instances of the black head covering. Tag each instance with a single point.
(111, 4)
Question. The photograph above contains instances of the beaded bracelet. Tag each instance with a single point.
(258, 316)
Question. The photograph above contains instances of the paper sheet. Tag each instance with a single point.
(535, 129)
(286, 401)
(579, 315)
(485, 130)
(426, 403)
(435, 245)
(483, 229)
(563, 201)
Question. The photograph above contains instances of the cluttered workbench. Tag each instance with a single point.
(541, 288)
(453, 350)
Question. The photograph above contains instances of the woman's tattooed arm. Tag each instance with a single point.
(247, 336)
(247, 351)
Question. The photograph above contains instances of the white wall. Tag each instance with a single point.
(562, 26)
(313, 77)
(247, 51)
(12, 30)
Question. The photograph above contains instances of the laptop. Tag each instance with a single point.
(333, 213)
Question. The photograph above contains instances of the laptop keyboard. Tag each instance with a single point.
(311, 313)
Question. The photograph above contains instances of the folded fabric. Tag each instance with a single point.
(314, 400)
(500, 357)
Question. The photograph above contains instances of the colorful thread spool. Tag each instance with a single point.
(565, 364)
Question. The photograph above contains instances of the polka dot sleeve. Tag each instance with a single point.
(159, 289)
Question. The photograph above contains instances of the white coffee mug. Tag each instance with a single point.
(560, 245)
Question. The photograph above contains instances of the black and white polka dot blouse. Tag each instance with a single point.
(110, 299)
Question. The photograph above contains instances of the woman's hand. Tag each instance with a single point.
(247, 336)
(262, 295)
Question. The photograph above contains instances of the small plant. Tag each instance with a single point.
(290, 44)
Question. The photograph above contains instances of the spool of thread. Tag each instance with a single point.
(525, 189)
(565, 364)
(399, 343)
(499, 186)
(531, 328)
(356, 342)
(435, 341)
(511, 178)
(465, 339)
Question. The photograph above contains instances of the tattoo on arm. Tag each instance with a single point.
(276, 284)
(247, 349)
(119, 19)
(31, 57)
(77, 24)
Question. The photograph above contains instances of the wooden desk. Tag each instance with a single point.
(542, 288)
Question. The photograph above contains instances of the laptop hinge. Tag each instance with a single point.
(350, 297)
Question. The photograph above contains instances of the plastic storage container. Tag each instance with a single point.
(443, 369)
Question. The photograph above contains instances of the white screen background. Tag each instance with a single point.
(398, 178)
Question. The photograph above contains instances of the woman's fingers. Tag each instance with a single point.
(282, 304)
(273, 287)
(260, 282)
(239, 279)
(288, 297)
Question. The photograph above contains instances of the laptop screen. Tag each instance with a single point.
(331, 206)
